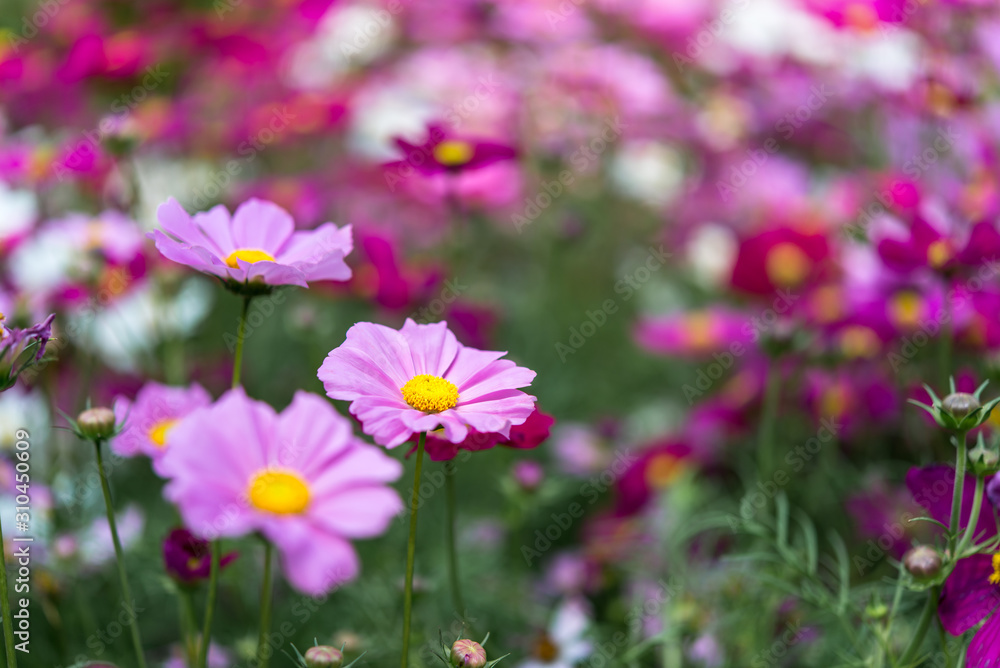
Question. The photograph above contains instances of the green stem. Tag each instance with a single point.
(956, 498)
(765, 434)
(213, 571)
(126, 589)
(213, 592)
(925, 621)
(456, 584)
(411, 551)
(263, 651)
(240, 337)
(189, 626)
(8, 629)
(977, 505)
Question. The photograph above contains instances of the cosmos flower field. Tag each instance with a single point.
(521, 333)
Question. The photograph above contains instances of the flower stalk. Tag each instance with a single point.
(411, 549)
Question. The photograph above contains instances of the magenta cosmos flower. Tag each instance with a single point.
(257, 244)
(444, 153)
(971, 593)
(525, 436)
(151, 417)
(186, 557)
(421, 378)
(300, 477)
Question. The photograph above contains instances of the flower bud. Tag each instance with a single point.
(96, 423)
(922, 562)
(960, 404)
(323, 656)
(528, 474)
(468, 653)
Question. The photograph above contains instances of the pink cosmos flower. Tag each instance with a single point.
(258, 243)
(701, 332)
(151, 417)
(421, 378)
(300, 477)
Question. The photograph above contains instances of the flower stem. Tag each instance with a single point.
(213, 590)
(956, 498)
(8, 630)
(765, 434)
(263, 651)
(411, 551)
(456, 585)
(977, 505)
(925, 621)
(189, 626)
(213, 571)
(240, 337)
(126, 589)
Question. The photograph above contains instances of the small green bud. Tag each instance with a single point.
(467, 653)
(876, 610)
(323, 656)
(96, 423)
(922, 562)
(984, 460)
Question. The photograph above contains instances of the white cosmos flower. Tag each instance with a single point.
(126, 330)
(18, 211)
(564, 644)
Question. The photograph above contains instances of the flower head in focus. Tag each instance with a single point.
(419, 378)
(255, 248)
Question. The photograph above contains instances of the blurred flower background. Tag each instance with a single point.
(731, 237)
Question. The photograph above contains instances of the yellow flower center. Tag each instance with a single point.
(938, 253)
(827, 303)
(158, 432)
(858, 341)
(279, 492)
(700, 331)
(861, 16)
(995, 578)
(906, 308)
(250, 255)
(835, 401)
(453, 152)
(430, 394)
(193, 563)
(787, 265)
(546, 650)
(662, 470)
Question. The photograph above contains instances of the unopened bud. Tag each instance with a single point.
(960, 404)
(528, 474)
(96, 423)
(922, 562)
(323, 656)
(467, 653)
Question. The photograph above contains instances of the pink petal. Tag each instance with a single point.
(261, 225)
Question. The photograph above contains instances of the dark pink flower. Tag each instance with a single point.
(187, 558)
(530, 434)
(444, 153)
